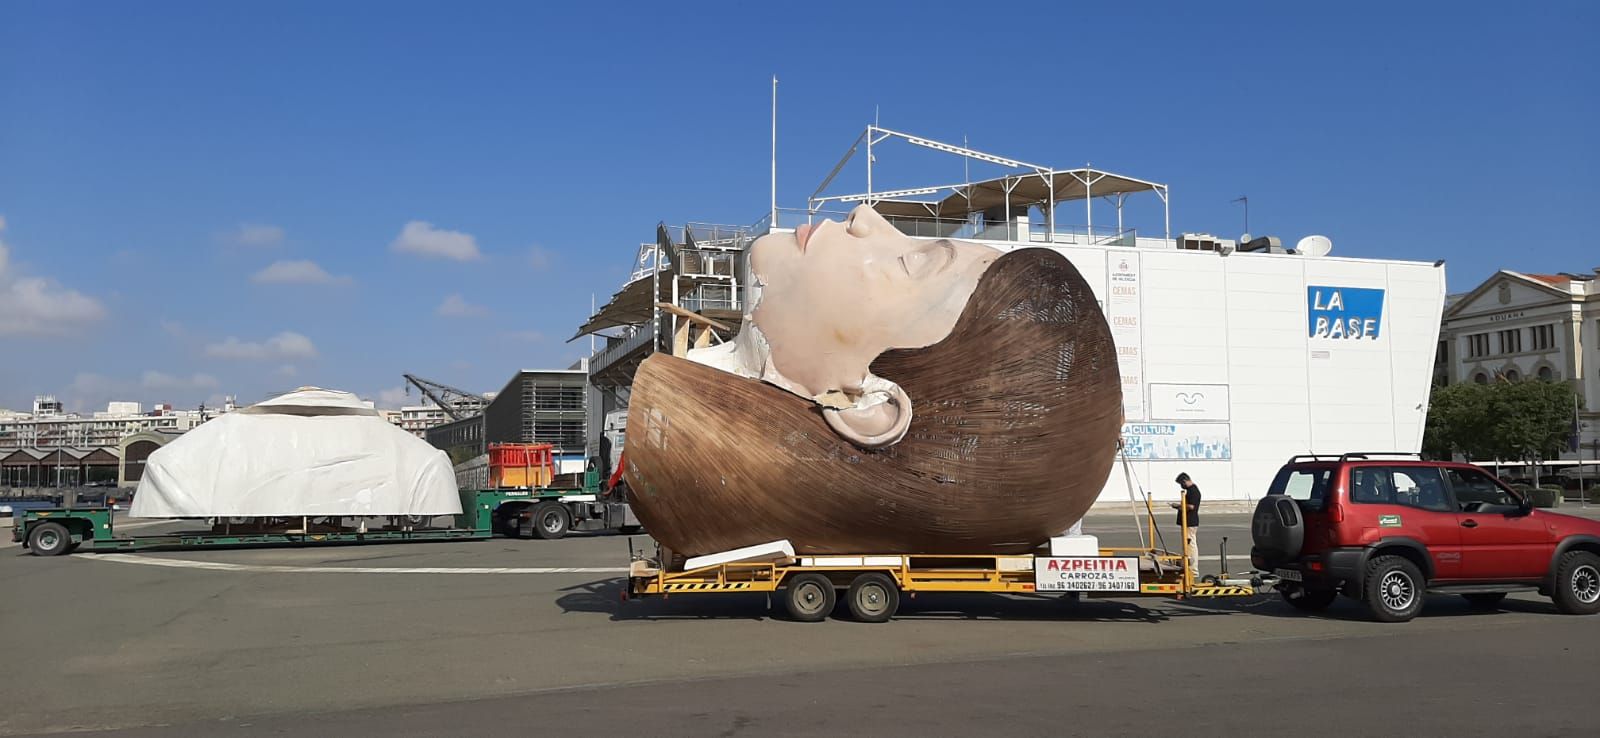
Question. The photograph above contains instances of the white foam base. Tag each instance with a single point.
(774, 552)
(1075, 546)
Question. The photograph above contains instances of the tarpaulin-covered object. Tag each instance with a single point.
(311, 452)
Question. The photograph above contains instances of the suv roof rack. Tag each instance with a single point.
(1351, 456)
(1370, 454)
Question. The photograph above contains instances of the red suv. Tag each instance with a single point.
(1386, 530)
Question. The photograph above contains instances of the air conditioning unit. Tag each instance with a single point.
(1199, 242)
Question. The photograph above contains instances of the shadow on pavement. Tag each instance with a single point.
(1346, 609)
(606, 597)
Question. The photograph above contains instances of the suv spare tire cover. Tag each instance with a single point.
(1276, 527)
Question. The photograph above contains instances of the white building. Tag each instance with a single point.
(49, 426)
(419, 418)
(1519, 326)
(1234, 362)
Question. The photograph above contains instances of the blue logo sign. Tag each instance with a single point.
(1343, 312)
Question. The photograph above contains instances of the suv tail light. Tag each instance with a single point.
(1335, 513)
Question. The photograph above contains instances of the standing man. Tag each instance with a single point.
(1191, 538)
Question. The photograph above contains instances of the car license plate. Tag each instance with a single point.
(1287, 574)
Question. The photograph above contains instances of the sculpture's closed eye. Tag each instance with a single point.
(928, 259)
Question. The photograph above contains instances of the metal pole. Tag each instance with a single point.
(774, 151)
(1088, 203)
(870, 130)
(655, 298)
(1166, 212)
(1577, 451)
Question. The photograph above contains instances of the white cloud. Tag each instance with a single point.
(38, 306)
(90, 392)
(392, 398)
(421, 238)
(155, 380)
(255, 234)
(285, 345)
(539, 259)
(455, 307)
(296, 272)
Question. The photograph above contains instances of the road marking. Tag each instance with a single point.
(274, 569)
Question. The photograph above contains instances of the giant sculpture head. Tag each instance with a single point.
(884, 393)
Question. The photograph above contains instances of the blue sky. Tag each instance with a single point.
(239, 198)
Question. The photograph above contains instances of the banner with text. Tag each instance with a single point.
(1177, 441)
(1124, 312)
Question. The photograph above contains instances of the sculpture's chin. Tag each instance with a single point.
(880, 419)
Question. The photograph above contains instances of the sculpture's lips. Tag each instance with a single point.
(803, 234)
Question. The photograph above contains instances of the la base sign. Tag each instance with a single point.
(1086, 574)
(1344, 312)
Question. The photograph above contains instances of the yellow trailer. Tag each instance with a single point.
(809, 586)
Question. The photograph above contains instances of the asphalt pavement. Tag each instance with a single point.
(402, 640)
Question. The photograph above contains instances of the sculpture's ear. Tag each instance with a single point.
(880, 418)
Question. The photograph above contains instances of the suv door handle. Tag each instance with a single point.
(1469, 523)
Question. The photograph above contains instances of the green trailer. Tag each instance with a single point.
(58, 531)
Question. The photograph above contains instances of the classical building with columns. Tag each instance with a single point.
(1518, 326)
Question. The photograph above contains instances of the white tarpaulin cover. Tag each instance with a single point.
(311, 452)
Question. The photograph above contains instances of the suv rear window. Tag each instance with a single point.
(1306, 484)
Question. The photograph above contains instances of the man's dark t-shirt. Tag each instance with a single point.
(1191, 498)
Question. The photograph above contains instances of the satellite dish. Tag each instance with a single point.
(1245, 237)
(1314, 246)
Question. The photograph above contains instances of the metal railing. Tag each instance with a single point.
(618, 348)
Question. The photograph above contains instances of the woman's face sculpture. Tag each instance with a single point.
(1005, 359)
(831, 298)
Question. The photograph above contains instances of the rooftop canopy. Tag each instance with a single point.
(1032, 185)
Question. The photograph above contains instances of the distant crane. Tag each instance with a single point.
(451, 400)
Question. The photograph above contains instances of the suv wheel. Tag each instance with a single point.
(1577, 590)
(1393, 589)
(1309, 600)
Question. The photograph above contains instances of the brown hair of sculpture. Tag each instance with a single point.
(1016, 416)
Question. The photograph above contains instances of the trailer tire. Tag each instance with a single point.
(873, 598)
(808, 598)
(630, 530)
(550, 521)
(50, 539)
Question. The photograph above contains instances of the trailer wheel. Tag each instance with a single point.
(551, 520)
(873, 598)
(809, 597)
(49, 539)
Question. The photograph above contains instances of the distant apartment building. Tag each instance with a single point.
(417, 419)
(50, 426)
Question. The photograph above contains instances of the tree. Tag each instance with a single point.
(1520, 421)
(1457, 422)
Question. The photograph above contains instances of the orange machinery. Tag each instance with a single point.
(521, 464)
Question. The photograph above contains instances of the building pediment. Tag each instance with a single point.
(1507, 292)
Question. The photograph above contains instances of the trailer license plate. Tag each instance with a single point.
(1288, 574)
